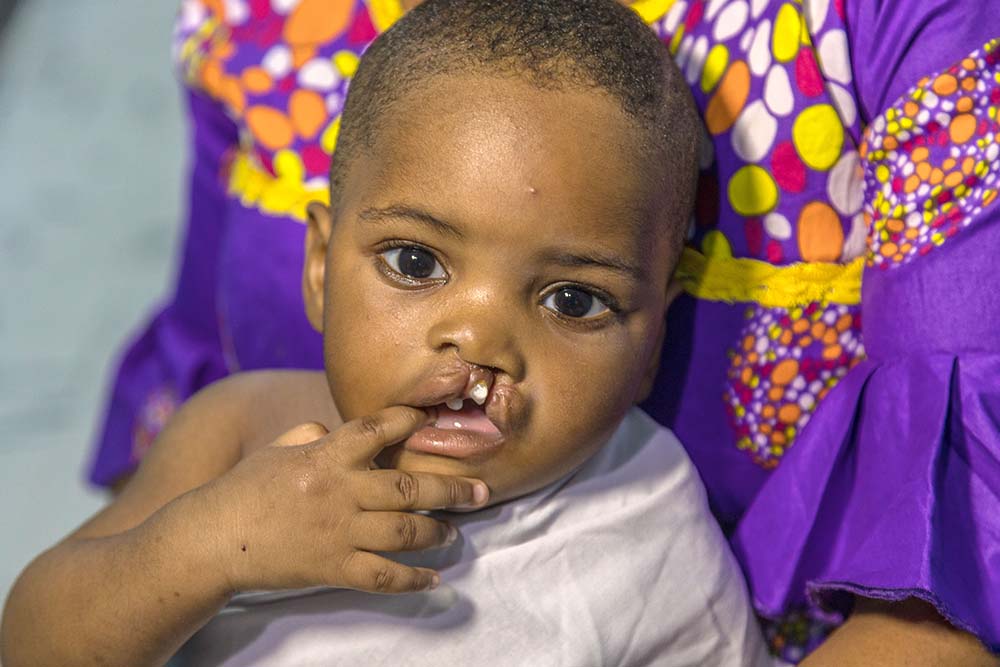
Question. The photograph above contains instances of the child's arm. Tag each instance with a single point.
(196, 525)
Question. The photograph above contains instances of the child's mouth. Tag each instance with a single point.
(461, 433)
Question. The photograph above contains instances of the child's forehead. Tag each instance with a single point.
(520, 137)
(485, 109)
(502, 155)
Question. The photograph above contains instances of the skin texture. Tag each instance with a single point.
(907, 633)
(518, 188)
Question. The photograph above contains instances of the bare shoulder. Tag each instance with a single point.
(277, 400)
(210, 434)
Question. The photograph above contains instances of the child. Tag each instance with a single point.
(508, 200)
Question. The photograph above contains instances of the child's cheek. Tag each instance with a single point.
(591, 383)
(361, 338)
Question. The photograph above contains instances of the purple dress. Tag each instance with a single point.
(841, 139)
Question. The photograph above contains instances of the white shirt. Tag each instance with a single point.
(620, 563)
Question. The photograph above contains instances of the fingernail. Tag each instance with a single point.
(480, 493)
(452, 535)
(435, 581)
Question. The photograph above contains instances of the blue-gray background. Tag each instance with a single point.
(91, 161)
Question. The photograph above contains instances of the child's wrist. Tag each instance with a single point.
(188, 531)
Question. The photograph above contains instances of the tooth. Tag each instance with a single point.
(479, 392)
(454, 404)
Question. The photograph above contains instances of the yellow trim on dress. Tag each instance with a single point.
(282, 196)
(718, 276)
(714, 275)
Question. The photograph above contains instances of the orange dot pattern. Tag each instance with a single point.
(280, 70)
(931, 160)
(787, 361)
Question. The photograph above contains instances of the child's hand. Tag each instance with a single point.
(294, 515)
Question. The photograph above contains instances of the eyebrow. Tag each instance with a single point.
(398, 211)
(598, 260)
(562, 258)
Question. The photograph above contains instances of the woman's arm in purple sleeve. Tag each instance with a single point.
(894, 44)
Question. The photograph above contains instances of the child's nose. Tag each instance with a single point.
(480, 334)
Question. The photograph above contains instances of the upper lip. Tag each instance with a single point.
(446, 383)
(455, 379)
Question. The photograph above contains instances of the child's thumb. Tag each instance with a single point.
(302, 434)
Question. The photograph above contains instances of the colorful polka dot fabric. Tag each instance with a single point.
(931, 160)
(832, 385)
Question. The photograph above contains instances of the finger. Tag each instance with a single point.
(398, 490)
(365, 571)
(399, 531)
(302, 434)
(363, 438)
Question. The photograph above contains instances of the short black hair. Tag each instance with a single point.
(552, 44)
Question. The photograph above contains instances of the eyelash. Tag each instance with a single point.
(614, 308)
(383, 265)
(612, 304)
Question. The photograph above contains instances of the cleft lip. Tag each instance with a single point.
(504, 405)
(445, 384)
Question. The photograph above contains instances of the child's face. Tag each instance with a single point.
(498, 232)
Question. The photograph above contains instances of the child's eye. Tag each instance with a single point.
(414, 262)
(575, 302)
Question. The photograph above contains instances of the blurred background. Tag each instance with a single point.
(91, 167)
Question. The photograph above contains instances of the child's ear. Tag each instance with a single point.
(674, 290)
(319, 225)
